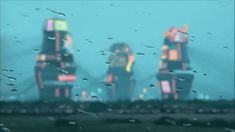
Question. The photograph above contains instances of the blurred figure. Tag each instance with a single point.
(174, 77)
(120, 78)
(55, 67)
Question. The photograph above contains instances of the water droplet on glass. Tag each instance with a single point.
(12, 78)
(140, 53)
(51, 38)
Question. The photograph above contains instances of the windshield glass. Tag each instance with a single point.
(110, 65)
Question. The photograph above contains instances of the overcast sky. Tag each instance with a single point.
(139, 23)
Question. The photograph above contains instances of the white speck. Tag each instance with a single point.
(51, 118)
(208, 123)
(109, 109)
(72, 122)
(6, 129)
(51, 38)
(132, 120)
(229, 129)
(1, 124)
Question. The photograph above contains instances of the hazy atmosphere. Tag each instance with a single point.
(96, 25)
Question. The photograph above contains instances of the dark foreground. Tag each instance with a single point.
(152, 116)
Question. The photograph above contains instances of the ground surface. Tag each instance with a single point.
(104, 122)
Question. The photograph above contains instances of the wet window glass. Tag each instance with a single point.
(110, 65)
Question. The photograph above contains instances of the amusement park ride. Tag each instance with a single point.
(120, 72)
(55, 68)
(174, 70)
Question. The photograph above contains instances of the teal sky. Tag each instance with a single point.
(136, 22)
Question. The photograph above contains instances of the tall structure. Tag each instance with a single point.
(174, 74)
(120, 72)
(55, 67)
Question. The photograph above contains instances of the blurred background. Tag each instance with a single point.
(96, 25)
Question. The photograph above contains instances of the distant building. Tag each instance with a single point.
(55, 67)
(174, 71)
(120, 78)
